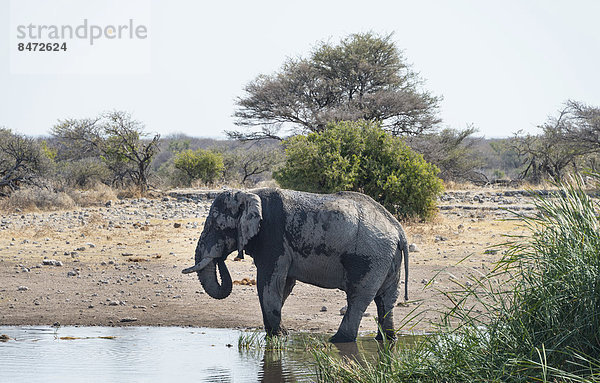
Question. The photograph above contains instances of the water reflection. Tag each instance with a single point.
(216, 375)
(271, 370)
(154, 354)
(348, 351)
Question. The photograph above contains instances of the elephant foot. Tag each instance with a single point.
(282, 331)
(389, 335)
(341, 338)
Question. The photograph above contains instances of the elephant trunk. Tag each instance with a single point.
(208, 279)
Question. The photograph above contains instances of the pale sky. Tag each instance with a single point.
(499, 65)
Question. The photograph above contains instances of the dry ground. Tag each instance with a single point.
(121, 265)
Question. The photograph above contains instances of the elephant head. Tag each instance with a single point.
(234, 218)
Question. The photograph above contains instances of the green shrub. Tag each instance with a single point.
(360, 156)
(499, 174)
(205, 165)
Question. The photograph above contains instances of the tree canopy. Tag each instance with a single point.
(364, 77)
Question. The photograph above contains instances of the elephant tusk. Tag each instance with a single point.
(199, 266)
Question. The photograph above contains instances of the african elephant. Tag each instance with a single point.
(343, 241)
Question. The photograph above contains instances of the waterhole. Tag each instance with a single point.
(155, 354)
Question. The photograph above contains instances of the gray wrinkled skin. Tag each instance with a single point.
(343, 241)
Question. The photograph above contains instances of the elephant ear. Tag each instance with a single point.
(250, 219)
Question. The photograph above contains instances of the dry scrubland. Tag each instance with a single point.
(120, 264)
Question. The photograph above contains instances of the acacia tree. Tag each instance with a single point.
(249, 161)
(565, 139)
(117, 139)
(21, 160)
(364, 77)
(579, 123)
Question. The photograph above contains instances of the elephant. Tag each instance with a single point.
(343, 241)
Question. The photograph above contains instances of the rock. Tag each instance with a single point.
(51, 262)
(113, 303)
(128, 319)
(22, 288)
(323, 309)
(439, 238)
(343, 310)
(176, 225)
(72, 274)
(491, 251)
(413, 248)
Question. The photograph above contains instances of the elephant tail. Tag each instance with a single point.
(403, 248)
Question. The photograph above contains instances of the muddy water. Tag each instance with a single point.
(147, 354)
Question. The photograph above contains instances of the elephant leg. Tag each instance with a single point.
(348, 330)
(386, 300)
(270, 294)
(289, 285)
(385, 315)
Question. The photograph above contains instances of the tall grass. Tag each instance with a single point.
(258, 340)
(535, 317)
(255, 340)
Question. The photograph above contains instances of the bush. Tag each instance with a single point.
(22, 161)
(96, 195)
(205, 165)
(35, 198)
(360, 156)
(84, 173)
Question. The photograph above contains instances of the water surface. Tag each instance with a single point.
(147, 354)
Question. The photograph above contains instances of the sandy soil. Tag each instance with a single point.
(121, 265)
